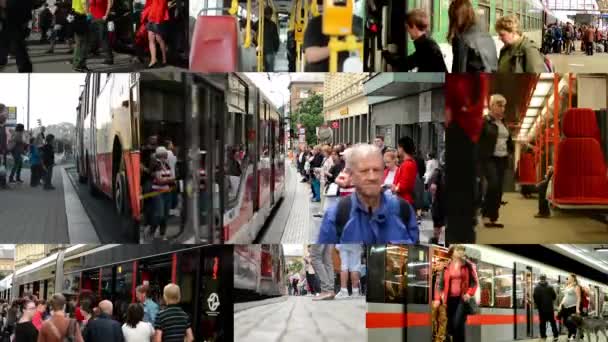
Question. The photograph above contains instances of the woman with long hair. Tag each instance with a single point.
(135, 329)
(473, 49)
(455, 287)
(570, 304)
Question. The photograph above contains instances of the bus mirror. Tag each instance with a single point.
(337, 17)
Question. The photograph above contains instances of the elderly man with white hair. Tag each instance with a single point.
(104, 327)
(495, 147)
(369, 215)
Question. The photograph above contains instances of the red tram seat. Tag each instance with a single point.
(580, 180)
(526, 169)
(214, 45)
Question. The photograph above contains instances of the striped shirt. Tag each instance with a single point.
(173, 322)
(162, 171)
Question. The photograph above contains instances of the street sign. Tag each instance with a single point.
(12, 115)
(335, 125)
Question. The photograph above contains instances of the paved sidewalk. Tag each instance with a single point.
(300, 319)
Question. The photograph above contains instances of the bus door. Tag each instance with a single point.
(91, 92)
(215, 303)
(526, 315)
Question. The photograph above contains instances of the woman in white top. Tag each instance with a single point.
(328, 162)
(135, 329)
(390, 162)
(570, 304)
(431, 165)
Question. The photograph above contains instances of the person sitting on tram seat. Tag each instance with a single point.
(368, 215)
(428, 56)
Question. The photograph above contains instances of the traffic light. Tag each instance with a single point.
(39, 122)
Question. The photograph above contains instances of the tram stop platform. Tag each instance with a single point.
(563, 338)
(300, 319)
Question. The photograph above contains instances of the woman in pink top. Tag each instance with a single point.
(455, 286)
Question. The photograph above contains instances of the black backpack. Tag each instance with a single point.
(345, 206)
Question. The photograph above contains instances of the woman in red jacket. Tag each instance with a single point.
(405, 179)
(455, 286)
(156, 15)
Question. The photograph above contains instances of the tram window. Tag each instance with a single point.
(71, 284)
(396, 277)
(418, 270)
(123, 287)
(484, 17)
(187, 270)
(485, 273)
(503, 287)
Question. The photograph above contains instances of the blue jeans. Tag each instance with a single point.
(316, 189)
(18, 163)
(161, 205)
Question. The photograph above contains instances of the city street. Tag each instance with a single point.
(60, 60)
(294, 222)
(68, 214)
(300, 319)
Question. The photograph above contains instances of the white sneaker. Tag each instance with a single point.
(342, 294)
(356, 293)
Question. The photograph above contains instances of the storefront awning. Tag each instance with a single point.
(390, 84)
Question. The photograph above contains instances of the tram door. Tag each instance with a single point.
(526, 314)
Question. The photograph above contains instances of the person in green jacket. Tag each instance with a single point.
(519, 54)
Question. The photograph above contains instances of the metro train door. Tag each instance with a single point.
(526, 314)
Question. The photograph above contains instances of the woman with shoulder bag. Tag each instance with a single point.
(570, 304)
(455, 287)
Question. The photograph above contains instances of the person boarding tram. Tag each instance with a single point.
(428, 56)
(495, 147)
(544, 297)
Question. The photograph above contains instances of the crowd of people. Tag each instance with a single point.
(371, 193)
(87, 27)
(14, 142)
(562, 38)
(86, 319)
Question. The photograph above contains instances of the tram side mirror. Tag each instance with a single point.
(337, 17)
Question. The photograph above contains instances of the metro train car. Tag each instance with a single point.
(112, 272)
(385, 25)
(259, 272)
(399, 274)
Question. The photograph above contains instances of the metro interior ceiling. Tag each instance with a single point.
(562, 259)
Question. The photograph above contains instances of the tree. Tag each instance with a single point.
(296, 266)
(310, 114)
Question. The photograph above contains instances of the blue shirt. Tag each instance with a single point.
(383, 225)
(34, 155)
(150, 311)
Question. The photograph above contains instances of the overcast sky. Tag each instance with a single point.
(54, 97)
(274, 85)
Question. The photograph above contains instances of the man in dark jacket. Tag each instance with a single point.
(428, 56)
(48, 162)
(544, 297)
(495, 147)
(14, 17)
(271, 39)
(103, 328)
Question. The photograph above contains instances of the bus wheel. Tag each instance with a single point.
(120, 193)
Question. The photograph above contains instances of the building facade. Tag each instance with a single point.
(408, 104)
(346, 107)
(300, 88)
(26, 254)
(7, 262)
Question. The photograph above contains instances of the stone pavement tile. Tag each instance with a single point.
(298, 226)
(33, 215)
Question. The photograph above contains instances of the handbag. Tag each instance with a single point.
(332, 190)
(471, 307)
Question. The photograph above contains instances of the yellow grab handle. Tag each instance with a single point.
(248, 26)
(234, 8)
(314, 8)
(335, 46)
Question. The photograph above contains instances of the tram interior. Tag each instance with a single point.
(537, 124)
(223, 24)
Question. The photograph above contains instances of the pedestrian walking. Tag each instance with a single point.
(150, 307)
(25, 331)
(48, 162)
(59, 327)
(135, 329)
(173, 324)
(103, 327)
(322, 262)
(544, 298)
(17, 147)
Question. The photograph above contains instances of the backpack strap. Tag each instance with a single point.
(342, 215)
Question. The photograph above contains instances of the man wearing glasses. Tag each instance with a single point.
(25, 331)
